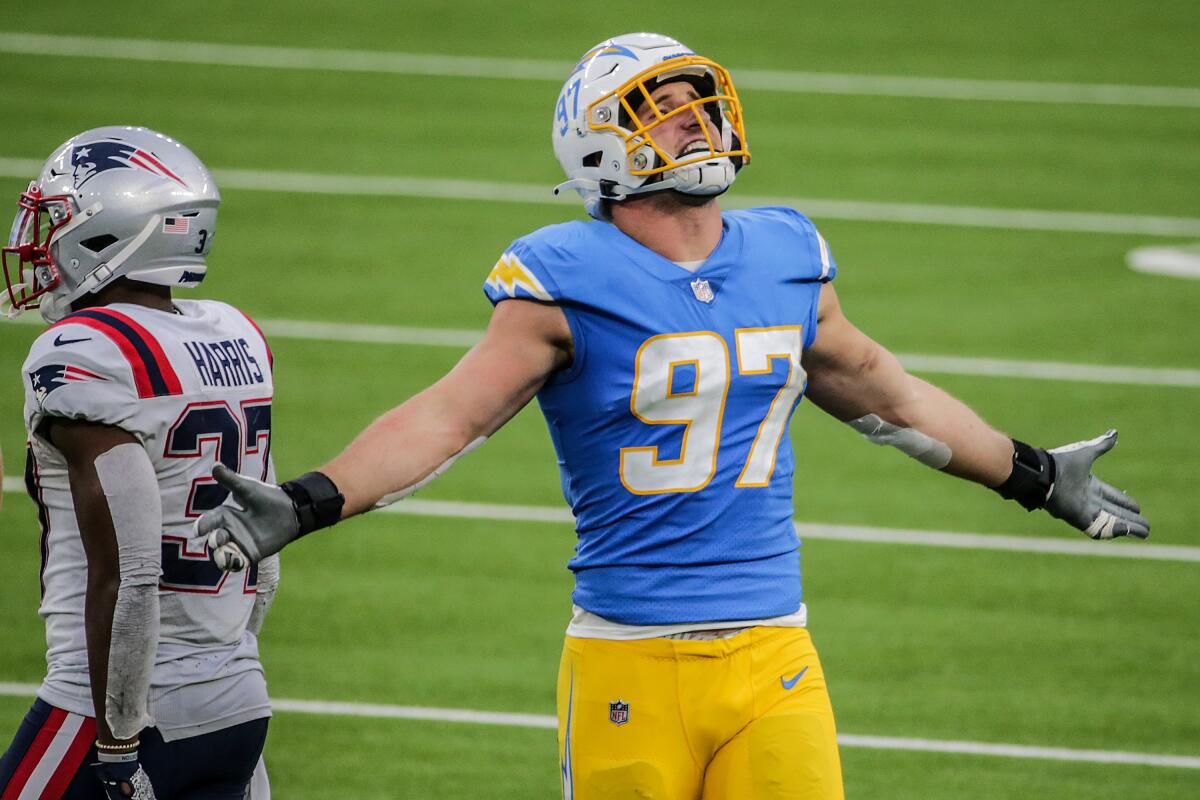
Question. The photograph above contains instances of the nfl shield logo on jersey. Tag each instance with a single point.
(702, 290)
(618, 712)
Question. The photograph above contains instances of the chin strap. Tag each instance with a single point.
(7, 309)
(611, 190)
(60, 305)
(582, 184)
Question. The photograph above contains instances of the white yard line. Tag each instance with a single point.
(548, 722)
(371, 61)
(941, 365)
(808, 530)
(821, 209)
(1050, 370)
(845, 533)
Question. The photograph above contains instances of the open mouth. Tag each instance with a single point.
(692, 148)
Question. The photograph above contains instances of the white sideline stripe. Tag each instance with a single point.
(1050, 370)
(272, 57)
(843, 533)
(943, 365)
(807, 530)
(497, 192)
(991, 541)
(1017, 751)
(548, 722)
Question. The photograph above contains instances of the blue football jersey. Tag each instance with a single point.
(671, 424)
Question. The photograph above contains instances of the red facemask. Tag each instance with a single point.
(28, 249)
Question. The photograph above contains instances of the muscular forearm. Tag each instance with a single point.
(406, 445)
(978, 452)
(398, 450)
(865, 379)
(859, 382)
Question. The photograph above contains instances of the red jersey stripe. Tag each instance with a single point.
(141, 377)
(160, 357)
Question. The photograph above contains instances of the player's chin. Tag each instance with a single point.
(694, 200)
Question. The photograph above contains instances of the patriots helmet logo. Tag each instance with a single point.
(90, 159)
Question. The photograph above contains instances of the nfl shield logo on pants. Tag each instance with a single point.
(618, 712)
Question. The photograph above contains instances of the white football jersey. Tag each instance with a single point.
(194, 387)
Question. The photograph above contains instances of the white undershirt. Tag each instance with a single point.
(586, 625)
(691, 266)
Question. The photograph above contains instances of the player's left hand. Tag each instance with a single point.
(122, 777)
(263, 520)
(1085, 501)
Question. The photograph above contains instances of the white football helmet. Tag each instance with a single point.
(608, 154)
(111, 202)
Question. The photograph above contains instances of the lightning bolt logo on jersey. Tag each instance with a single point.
(511, 277)
(671, 424)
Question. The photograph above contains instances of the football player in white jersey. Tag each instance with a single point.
(154, 685)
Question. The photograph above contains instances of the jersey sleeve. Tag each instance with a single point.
(814, 261)
(74, 373)
(521, 273)
(828, 265)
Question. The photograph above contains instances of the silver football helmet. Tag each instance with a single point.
(111, 202)
(609, 153)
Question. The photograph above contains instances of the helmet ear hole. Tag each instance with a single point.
(593, 159)
(98, 243)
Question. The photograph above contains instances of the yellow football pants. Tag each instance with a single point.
(743, 718)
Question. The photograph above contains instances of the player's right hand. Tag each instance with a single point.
(256, 521)
(122, 777)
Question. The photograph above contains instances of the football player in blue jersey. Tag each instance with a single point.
(668, 344)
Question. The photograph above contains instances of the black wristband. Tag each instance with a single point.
(318, 501)
(1032, 478)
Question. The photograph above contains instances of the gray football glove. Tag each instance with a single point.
(1081, 499)
(259, 519)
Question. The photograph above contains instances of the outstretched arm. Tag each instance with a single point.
(851, 377)
(525, 343)
(858, 381)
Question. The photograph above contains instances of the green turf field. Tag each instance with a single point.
(1042, 650)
